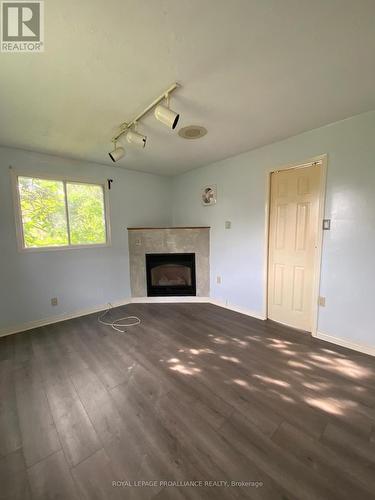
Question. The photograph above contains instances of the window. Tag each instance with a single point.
(60, 213)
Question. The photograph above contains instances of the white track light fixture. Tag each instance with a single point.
(162, 113)
(167, 116)
(117, 153)
(135, 138)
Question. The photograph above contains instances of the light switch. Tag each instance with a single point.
(228, 224)
(326, 224)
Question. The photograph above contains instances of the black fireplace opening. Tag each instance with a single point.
(170, 274)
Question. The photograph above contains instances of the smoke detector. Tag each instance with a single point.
(192, 132)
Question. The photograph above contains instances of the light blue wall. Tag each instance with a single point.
(348, 267)
(80, 278)
(84, 279)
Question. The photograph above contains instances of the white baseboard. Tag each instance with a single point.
(365, 349)
(30, 325)
(241, 310)
(159, 300)
(209, 300)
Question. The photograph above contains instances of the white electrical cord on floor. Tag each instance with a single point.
(117, 323)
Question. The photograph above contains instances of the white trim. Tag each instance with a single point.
(266, 243)
(30, 325)
(363, 348)
(241, 310)
(166, 300)
(319, 243)
(195, 299)
(66, 215)
(15, 173)
(323, 159)
(63, 248)
(39, 174)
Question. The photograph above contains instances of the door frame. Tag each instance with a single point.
(318, 255)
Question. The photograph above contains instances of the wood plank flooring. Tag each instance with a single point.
(195, 393)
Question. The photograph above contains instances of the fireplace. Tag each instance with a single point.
(170, 274)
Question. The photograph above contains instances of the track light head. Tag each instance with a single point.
(135, 138)
(166, 116)
(117, 154)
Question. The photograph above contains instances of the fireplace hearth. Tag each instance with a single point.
(170, 274)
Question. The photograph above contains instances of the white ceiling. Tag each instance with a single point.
(252, 72)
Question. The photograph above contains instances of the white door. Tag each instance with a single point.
(293, 238)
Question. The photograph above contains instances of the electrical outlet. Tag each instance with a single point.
(54, 301)
(322, 301)
(218, 280)
(228, 224)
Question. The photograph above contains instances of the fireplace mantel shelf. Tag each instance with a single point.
(167, 227)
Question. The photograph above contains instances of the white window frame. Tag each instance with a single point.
(15, 174)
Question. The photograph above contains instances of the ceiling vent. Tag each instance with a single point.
(192, 132)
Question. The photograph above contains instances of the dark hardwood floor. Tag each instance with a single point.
(195, 393)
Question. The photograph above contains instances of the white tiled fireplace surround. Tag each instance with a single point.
(168, 240)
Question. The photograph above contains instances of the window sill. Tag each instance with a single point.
(63, 248)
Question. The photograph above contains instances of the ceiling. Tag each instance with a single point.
(252, 72)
